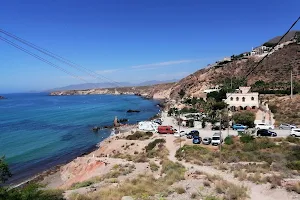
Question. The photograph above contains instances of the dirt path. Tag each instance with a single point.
(256, 192)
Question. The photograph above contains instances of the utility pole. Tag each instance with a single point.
(220, 136)
(179, 130)
(227, 123)
(291, 82)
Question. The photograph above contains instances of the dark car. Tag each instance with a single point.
(217, 127)
(158, 121)
(206, 140)
(196, 140)
(265, 132)
(192, 134)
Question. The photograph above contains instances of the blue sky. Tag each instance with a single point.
(133, 40)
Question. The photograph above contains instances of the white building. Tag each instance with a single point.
(242, 99)
(212, 89)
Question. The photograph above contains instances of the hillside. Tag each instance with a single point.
(275, 68)
(288, 37)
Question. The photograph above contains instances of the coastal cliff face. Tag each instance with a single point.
(159, 91)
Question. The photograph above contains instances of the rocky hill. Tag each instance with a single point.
(158, 91)
(286, 38)
(274, 69)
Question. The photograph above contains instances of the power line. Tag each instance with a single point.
(41, 59)
(267, 53)
(60, 58)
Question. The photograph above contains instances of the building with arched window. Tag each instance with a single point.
(242, 99)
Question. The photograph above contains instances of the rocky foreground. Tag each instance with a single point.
(145, 165)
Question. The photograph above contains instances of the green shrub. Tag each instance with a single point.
(153, 144)
(245, 138)
(229, 140)
(153, 166)
(139, 135)
(295, 165)
(82, 184)
(246, 117)
(293, 140)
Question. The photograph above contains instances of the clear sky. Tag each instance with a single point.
(133, 40)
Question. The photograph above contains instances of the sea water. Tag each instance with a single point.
(38, 131)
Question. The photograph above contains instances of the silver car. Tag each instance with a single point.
(206, 140)
(287, 126)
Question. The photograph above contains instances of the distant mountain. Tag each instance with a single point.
(154, 82)
(85, 86)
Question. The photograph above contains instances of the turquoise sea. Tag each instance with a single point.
(38, 131)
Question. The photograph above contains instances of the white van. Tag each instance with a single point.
(216, 139)
(264, 126)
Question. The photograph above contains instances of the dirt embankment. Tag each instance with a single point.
(285, 109)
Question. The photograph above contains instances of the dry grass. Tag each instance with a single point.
(194, 195)
(231, 191)
(153, 166)
(206, 183)
(179, 190)
(116, 171)
(143, 187)
(275, 180)
(256, 178)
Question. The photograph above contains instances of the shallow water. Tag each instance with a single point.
(38, 131)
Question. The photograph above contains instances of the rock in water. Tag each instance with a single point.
(116, 123)
(123, 120)
(1, 97)
(96, 129)
(131, 111)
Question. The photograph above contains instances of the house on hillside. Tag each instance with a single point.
(242, 99)
(261, 50)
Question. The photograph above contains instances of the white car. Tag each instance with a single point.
(295, 132)
(264, 126)
(181, 134)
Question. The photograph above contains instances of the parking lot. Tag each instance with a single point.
(207, 132)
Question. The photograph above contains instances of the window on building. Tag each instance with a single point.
(252, 98)
(231, 98)
(243, 99)
(237, 99)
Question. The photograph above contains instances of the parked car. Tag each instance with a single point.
(165, 130)
(216, 139)
(206, 140)
(179, 134)
(265, 132)
(264, 126)
(158, 121)
(287, 126)
(295, 132)
(239, 126)
(196, 140)
(217, 127)
(192, 134)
